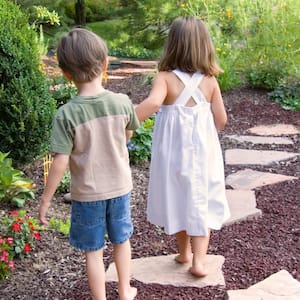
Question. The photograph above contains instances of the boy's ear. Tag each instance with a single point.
(105, 65)
(67, 75)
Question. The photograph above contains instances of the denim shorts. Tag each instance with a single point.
(90, 221)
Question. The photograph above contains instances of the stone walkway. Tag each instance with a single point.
(282, 286)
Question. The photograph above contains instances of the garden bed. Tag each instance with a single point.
(253, 250)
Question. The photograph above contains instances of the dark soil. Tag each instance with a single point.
(253, 249)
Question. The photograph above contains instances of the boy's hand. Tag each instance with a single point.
(44, 206)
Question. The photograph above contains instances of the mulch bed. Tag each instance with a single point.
(253, 249)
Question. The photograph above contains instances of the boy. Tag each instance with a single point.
(89, 135)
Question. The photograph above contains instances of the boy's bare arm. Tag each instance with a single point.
(58, 167)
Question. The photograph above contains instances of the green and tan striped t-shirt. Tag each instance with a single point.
(92, 131)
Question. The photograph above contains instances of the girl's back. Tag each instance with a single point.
(175, 86)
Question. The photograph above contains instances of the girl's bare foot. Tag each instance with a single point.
(129, 295)
(183, 259)
(198, 271)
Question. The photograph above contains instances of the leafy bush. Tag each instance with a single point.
(21, 229)
(260, 36)
(139, 146)
(26, 108)
(288, 96)
(14, 188)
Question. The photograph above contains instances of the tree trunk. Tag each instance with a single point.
(80, 15)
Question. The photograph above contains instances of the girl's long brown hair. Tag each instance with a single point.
(189, 48)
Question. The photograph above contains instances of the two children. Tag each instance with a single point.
(186, 187)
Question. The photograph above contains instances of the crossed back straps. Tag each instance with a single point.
(191, 89)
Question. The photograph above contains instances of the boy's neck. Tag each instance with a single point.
(91, 88)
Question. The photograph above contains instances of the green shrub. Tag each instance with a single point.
(261, 38)
(288, 96)
(139, 146)
(27, 107)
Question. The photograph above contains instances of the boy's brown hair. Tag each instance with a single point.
(82, 54)
(189, 48)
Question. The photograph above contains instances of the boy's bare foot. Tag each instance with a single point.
(129, 295)
(198, 271)
(183, 259)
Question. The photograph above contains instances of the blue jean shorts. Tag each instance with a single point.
(90, 221)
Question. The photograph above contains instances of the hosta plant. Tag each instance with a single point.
(14, 188)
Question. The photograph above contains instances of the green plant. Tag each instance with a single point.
(266, 76)
(14, 188)
(139, 146)
(27, 108)
(6, 257)
(62, 90)
(21, 228)
(60, 225)
(287, 95)
(64, 185)
(262, 44)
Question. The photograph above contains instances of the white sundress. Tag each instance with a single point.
(186, 186)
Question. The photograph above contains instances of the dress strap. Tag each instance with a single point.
(191, 89)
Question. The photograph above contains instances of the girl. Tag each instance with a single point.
(186, 186)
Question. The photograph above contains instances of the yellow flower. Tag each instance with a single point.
(228, 13)
(218, 49)
(182, 5)
(260, 21)
(283, 5)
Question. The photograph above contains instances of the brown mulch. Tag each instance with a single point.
(253, 249)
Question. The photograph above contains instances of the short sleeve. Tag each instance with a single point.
(134, 122)
(61, 136)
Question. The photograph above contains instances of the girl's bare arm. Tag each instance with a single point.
(217, 107)
(155, 99)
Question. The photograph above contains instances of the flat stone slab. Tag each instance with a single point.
(165, 270)
(275, 129)
(242, 205)
(279, 286)
(256, 157)
(261, 139)
(249, 179)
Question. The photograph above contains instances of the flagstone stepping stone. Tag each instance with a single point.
(275, 129)
(242, 205)
(249, 179)
(165, 271)
(261, 139)
(256, 157)
(279, 286)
